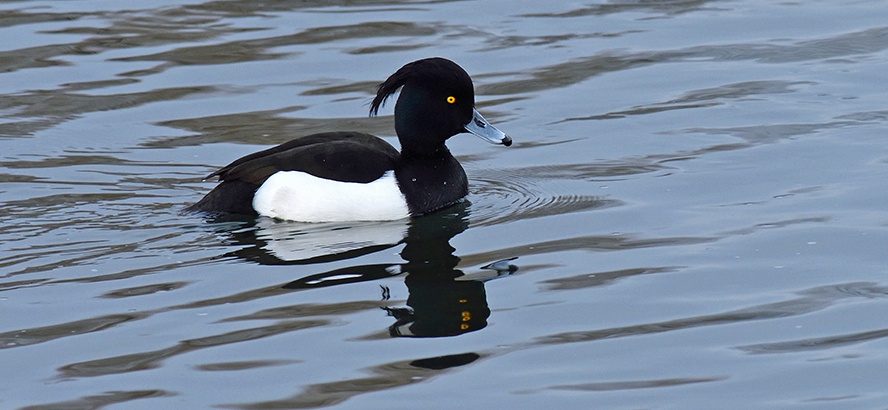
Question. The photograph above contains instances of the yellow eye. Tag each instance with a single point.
(451, 99)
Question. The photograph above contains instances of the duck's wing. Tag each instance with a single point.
(340, 156)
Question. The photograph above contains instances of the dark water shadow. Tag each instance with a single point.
(847, 45)
(596, 279)
(816, 343)
(706, 97)
(381, 377)
(669, 8)
(102, 400)
(154, 359)
(627, 384)
(808, 301)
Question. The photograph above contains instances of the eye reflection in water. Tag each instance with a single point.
(443, 301)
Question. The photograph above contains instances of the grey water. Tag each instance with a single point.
(692, 216)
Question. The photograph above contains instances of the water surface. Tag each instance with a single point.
(695, 198)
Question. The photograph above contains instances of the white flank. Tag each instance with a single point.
(298, 196)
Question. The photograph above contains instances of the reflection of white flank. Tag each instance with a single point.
(292, 241)
(334, 278)
(298, 196)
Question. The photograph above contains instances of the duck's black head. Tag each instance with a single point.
(437, 101)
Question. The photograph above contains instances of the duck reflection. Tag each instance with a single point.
(443, 300)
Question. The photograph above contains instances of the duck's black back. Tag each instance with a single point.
(338, 156)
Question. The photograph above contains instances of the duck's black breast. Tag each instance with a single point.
(431, 183)
(338, 156)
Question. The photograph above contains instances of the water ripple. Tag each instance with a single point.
(506, 195)
(817, 343)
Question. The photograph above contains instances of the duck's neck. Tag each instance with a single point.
(422, 151)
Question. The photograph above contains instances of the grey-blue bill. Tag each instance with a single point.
(480, 127)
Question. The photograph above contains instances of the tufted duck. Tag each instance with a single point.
(351, 176)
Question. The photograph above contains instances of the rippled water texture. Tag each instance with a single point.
(693, 214)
